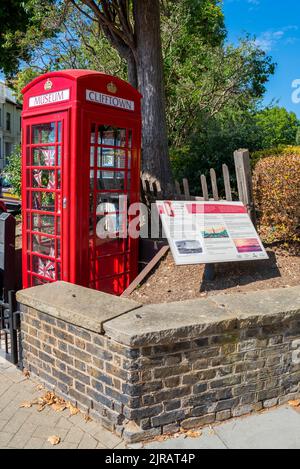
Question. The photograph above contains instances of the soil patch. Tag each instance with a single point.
(168, 282)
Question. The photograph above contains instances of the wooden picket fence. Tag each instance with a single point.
(152, 191)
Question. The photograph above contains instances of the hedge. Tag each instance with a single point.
(276, 182)
(281, 150)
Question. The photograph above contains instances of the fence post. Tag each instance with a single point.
(204, 187)
(178, 188)
(244, 181)
(186, 189)
(214, 184)
(227, 185)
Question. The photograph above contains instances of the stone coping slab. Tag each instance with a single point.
(76, 305)
(261, 303)
(130, 323)
(162, 323)
(158, 324)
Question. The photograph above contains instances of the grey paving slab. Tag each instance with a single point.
(5, 437)
(14, 425)
(276, 429)
(4, 364)
(4, 386)
(100, 446)
(34, 443)
(2, 424)
(44, 431)
(120, 446)
(44, 419)
(14, 375)
(27, 428)
(62, 445)
(90, 427)
(207, 440)
(108, 439)
(88, 442)
(74, 435)
(19, 440)
(64, 423)
(8, 413)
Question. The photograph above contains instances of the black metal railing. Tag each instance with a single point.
(10, 329)
(10, 335)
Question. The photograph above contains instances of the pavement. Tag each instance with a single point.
(29, 429)
(22, 427)
(274, 429)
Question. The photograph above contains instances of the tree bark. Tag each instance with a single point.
(140, 45)
(149, 63)
(132, 71)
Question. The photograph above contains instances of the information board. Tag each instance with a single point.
(210, 232)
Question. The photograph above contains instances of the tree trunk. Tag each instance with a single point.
(149, 63)
(132, 70)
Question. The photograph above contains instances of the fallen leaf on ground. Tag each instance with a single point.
(26, 373)
(49, 398)
(295, 403)
(54, 440)
(39, 387)
(161, 438)
(73, 410)
(25, 405)
(193, 434)
(40, 408)
(59, 407)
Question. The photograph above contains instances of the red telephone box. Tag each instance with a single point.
(80, 157)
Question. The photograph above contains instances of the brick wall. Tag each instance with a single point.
(229, 369)
(80, 365)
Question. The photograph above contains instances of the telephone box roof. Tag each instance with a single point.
(78, 75)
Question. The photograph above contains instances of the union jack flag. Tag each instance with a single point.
(38, 177)
(51, 182)
(49, 157)
(46, 269)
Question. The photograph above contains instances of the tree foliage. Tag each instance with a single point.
(276, 126)
(213, 89)
(298, 136)
(12, 171)
(24, 24)
(15, 17)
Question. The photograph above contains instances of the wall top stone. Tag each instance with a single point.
(132, 324)
(263, 303)
(76, 305)
(164, 323)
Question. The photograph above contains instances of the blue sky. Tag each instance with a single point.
(276, 25)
